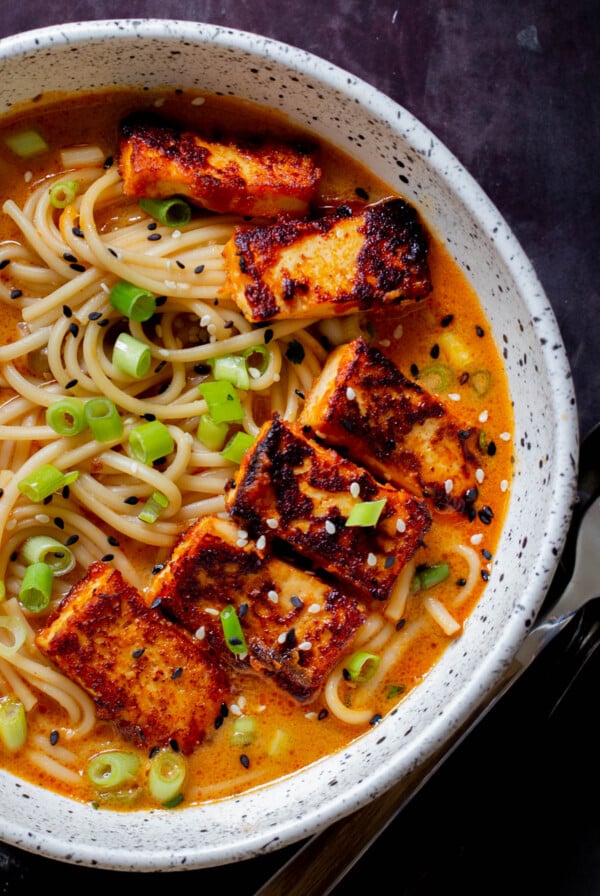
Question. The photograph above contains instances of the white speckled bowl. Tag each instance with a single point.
(403, 152)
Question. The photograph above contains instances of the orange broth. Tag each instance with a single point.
(290, 735)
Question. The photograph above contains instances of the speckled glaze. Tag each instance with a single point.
(403, 152)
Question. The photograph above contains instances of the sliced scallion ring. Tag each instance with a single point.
(103, 419)
(224, 404)
(172, 212)
(362, 666)
(150, 441)
(166, 776)
(211, 434)
(13, 723)
(131, 356)
(153, 507)
(237, 446)
(44, 481)
(366, 513)
(45, 549)
(12, 635)
(113, 769)
(132, 301)
(232, 630)
(67, 416)
(36, 587)
(63, 193)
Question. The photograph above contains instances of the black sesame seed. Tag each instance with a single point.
(69, 257)
(480, 331)
(104, 322)
(72, 539)
(16, 293)
(290, 638)
(300, 394)
(400, 624)
(74, 330)
(242, 610)
(68, 312)
(374, 720)
(159, 461)
(361, 193)
(486, 515)
(107, 558)
(180, 264)
(153, 225)
(13, 556)
(159, 366)
(235, 642)
(71, 384)
(156, 569)
(4, 263)
(66, 491)
(174, 745)
(224, 710)
(47, 499)
(160, 301)
(486, 554)
(296, 602)
(198, 269)
(177, 673)
(59, 522)
(138, 653)
(77, 231)
(491, 449)
(414, 370)
(218, 722)
(323, 713)
(345, 674)
(435, 351)
(112, 252)
(149, 417)
(461, 583)
(244, 760)
(485, 575)
(131, 500)
(54, 735)
(153, 752)
(77, 267)
(464, 378)
(94, 315)
(108, 162)
(268, 335)
(156, 603)
(228, 325)
(447, 320)
(1, 492)
(153, 237)
(113, 541)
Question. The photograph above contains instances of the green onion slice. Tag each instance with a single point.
(232, 368)
(45, 549)
(134, 302)
(166, 776)
(480, 382)
(67, 416)
(12, 635)
(150, 441)
(131, 356)
(437, 377)
(244, 731)
(366, 513)
(26, 143)
(212, 434)
(362, 665)
(36, 587)
(232, 630)
(103, 419)
(44, 481)
(257, 357)
(113, 769)
(62, 194)
(13, 723)
(224, 404)
(237, 446)
(428, 576)
(156, 503)
(172, 212)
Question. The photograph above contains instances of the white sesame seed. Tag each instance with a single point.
(242, 542)
(242, 702)
(170, 284)
(272, 523)
(176, 235)
(350, 393)
(385, 343)
(477, 538)
(235, 710)
(310, 715)
(400, 525)
(314, 608)
(354, 489)
(483, 417)
(453, 396)
(200, 633)
(479, 475)
(305, 645)
(276, 378)
(198, 101)
(273, 597)
(242, 534)
(398, 332)
(205, 320)
(211, 611)
(371, 560)
(504, 485)
(330, 527)
(159, 102)
(448, 486)
(42, 518)
(261, 542)
(254, 372)
(505, 436)
(282, 638)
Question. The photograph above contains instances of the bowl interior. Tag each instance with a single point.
(401, 151)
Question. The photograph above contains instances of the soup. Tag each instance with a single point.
(68, 234)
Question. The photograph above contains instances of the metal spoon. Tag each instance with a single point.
(319, 865)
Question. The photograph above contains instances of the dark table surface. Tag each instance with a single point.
(512, 87)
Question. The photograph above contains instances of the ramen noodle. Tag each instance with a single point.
(67, 235)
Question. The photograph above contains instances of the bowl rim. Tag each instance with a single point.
(562, 487)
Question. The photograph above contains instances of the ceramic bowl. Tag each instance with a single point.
(380, 133)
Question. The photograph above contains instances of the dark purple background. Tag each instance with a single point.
(512, 87)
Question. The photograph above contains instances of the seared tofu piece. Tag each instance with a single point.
(291, 488)
(157, 160)
(363, 404)
(143, 672)
(335, 265)
(295, 626)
